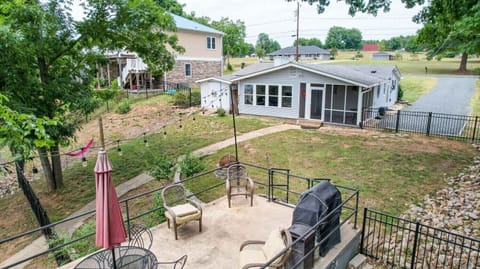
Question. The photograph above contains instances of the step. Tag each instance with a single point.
(310, 124)
(358, 262)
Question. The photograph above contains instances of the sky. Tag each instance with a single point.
(277, 19)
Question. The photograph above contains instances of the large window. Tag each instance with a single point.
(260, 95)
(268, 95)
(210, 42)
(188, 70)
(286, 96)
(273, 95)
(248, 94)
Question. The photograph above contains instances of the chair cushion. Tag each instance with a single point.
(273, 245)
(184, 210)
(251, 256)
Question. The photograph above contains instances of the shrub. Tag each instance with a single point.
(221, 112)
(159, 215)
(181, 99)
(124, 107)
(229, 67)
(400, 93)
(163, 168)
(191, 165)
(196, 98)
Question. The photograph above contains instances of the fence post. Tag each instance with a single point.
(415, 243)
(429, 122)
(288, 184)
(270, 175)
(397, 124)
(128, 220)
(365, 210)
(190, 96)
(474, 129)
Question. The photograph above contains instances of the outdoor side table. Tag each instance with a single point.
(126, 257)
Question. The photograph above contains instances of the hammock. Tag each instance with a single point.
(82, 150)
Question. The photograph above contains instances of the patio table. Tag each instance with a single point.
(126, 257)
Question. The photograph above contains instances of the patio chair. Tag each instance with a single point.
(140, 236)
(178, 264)
(179, 209)
(238, 183)
(277, 241)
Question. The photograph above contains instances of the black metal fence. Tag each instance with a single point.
(401, 243)
(276, 185)
(459, 127)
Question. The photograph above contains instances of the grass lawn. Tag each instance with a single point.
(415, 87)
(475, 103)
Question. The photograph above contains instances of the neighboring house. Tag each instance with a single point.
(304, 53)
(323, 92)
(371, 47)
(382, 56)
(203, 57)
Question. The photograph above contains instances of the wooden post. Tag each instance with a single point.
(100, 127)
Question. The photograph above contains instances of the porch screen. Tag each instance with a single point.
(341, 103)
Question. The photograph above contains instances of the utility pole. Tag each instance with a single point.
(298, 23)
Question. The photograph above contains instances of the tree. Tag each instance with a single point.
(265, 45)
(171, 6)
(234, 35)
(450, 27)
(342, 38)
(308, 42)
(48, 60)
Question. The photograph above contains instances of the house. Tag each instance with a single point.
(322, 92)
(382, 56)
(304, 53)
(203, 58)
(371, 47)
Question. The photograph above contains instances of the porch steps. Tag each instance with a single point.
(359, 262)
(310, 125)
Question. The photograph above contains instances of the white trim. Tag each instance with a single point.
(185, 70)
(214, 79)
(202, 59)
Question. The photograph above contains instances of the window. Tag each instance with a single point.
(248, 94)
(210, 42)
(286, 96)
(188, 70)
(260, 95)
(273, 95)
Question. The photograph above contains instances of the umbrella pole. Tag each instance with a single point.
(113, 257)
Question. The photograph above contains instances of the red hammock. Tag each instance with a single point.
(82, 150)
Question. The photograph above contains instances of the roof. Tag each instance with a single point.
(381, 53)
(301, 50)
(361, 75)
(371, 47)
(186, 24)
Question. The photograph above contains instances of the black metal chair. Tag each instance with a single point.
(140, 236)
(178, 264)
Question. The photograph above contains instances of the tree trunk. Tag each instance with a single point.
(57, 166)
(47, 169)
(463, 63)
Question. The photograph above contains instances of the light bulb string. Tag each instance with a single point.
(172, 122)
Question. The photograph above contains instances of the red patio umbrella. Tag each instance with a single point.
(110, 230)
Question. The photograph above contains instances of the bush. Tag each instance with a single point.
(229, 67)
(196, 98)
(124, 107)
(400, 93)
(221, 112)
(159, 212)
(181, 99)
(163, 168)
(191, 165)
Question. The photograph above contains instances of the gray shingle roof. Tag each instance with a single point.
(362, 75)
(301, 50)
(183, 23)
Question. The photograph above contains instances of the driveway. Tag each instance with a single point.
(451, 95)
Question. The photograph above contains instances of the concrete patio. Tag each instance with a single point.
(223, 230)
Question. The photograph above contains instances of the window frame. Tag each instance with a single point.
(251, 95)
(189, 69)
(211, 43)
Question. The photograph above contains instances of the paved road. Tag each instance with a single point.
(451, 95)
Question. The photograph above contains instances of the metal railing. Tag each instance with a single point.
(459, 127)
(401, 243)
(205, 186)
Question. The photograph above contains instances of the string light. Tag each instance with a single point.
(145, 142)
(119, 149)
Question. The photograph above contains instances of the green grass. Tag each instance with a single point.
(415, 87)
(475, 103)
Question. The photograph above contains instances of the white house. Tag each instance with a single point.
(323, 92)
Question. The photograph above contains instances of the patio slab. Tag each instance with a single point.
(223, 230)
